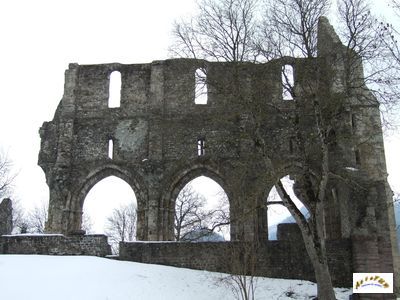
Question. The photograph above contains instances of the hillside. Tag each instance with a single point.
(36, 277)
(272, 229)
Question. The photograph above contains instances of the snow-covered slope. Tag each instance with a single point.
(34, 277)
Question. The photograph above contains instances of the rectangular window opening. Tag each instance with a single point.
(353, 121)
(110, 149)
(287, 82)
(114, 95)
(291, 145)
(200, 91)
(200, 146)
(358, 157)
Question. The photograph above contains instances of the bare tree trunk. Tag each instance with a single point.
(317, 254)
(312, 231)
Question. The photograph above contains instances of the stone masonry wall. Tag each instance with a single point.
(95, 245)
(279, 259)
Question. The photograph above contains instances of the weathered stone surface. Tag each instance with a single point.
(6, 220)
(289, 232)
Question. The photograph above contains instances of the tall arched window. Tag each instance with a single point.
(114, 96)
(110, 207)
(202, 212)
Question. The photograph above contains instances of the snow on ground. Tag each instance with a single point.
(43, 277)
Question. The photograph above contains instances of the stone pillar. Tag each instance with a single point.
(58, 219)
(247, 212)
(59, 176)
(152, 219)
(6, 222)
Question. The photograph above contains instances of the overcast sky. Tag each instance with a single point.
(40, 38)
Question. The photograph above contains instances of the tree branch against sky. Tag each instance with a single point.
(372, 40)
(194, 220)
(222, 31)
(7, 177)
(121, 225)
(289, 28)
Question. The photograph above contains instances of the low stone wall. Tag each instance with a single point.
(279, 259)
(50, 244)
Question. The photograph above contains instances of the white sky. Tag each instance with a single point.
(40, 38)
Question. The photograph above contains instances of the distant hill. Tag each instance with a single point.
(203, 235)
(272, 230)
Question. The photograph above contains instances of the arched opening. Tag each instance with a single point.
(114, 96)
(110, 208)
(202, 212)
(277, 212)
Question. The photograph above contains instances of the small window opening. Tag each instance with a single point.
(291, 145)
(334, 195)
(332, 138)
(200, 96)
(110, 148)
(358, 157)
(287, 82)
(114, 96)
(201, 146)
(353, 121)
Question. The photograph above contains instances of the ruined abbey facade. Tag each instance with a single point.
(158, 139)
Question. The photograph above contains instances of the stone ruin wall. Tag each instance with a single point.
(156, 129)
(283, 258)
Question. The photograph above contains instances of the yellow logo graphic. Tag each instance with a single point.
(372, 281)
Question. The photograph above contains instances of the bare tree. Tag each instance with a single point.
(19, 221)
(389, 32)
(37, 217)
(242, 261)
(222, 31)
(87, 224)
(193, 221)
(374, 42)
(289, 28)
(121, 225)
(189, 213)
(7, 177)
